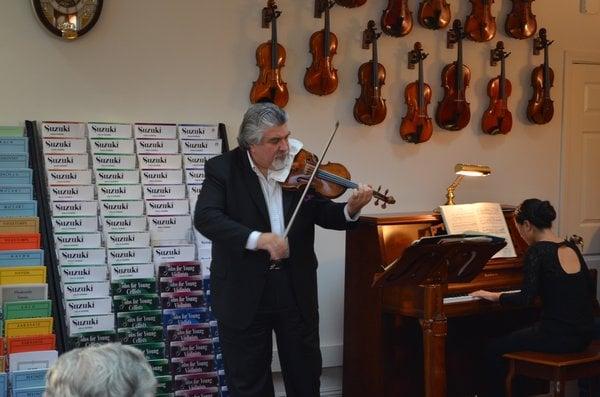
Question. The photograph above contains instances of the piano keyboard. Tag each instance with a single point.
(469, 298)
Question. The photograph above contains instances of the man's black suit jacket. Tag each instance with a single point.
(230, 206)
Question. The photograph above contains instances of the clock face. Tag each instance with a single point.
(68, 19)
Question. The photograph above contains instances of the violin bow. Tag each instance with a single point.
(312, 176)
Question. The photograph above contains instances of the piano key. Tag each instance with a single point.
(469, 298)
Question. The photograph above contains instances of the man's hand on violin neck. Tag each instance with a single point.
(276, 245)
(360, 197)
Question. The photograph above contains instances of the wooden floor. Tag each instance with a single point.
(331, 384)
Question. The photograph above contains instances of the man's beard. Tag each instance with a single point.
(279, 162)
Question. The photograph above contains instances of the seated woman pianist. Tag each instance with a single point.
(554, 270)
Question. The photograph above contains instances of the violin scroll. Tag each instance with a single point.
(383, 197)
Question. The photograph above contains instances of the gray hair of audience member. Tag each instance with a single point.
(109, 370)
(259, 118)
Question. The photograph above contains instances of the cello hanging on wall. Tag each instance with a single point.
(480, 25)
(321, 77)
(416, 126)
(396, 19)
(497, 119)
(270, 58)
(434, 14)
(540, 108)
(520, 22)
(370, 108)
(453, 112)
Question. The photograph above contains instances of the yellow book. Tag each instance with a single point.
(19, 225)
(23, 275)
(27, 327)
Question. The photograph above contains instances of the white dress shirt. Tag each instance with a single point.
(271, 188)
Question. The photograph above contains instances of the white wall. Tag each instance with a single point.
(193, 61)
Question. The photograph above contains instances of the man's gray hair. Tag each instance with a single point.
(109, 370)
(259, 118)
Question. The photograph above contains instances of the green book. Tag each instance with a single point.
(27, 309)
(11, 130)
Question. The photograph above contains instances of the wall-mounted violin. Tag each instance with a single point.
(270, 58)
(453, 112)
(540, 108)
(321, 77)
(396, 19)
(434, 14)
(481, 24)
(497, 119)
(370, 108)
(520, 22)
(416, 126)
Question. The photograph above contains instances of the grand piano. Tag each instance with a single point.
(420, 340)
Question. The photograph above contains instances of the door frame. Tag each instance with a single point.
(571, 58)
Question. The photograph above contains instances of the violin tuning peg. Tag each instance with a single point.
(384, 206)
(376, 202)
(379, 189)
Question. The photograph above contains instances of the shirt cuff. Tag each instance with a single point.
(347, 215)
(252, 242)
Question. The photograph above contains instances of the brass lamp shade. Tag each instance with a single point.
(462, 170)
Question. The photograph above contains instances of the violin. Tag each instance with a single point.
(351, 3)
(497, 119)
(520, 22)
(480, 24)
(331, 179)
(416, 126)
(396, 19)
(434, 14)
(370, 108)
(540, 108)
(270, 58)
(321, 77)
(453, 112)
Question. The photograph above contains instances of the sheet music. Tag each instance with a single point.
(484, 218)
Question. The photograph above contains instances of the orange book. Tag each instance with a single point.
(19, 241)
(34, 343)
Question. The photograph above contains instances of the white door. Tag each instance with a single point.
(580, 161)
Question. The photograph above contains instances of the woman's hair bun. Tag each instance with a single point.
(539, 213)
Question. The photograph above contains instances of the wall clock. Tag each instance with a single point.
(68, 19)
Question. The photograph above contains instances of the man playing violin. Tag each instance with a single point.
(243, 210)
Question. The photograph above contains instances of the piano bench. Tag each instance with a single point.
(558, 368)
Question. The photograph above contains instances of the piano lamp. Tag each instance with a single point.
(461, 170)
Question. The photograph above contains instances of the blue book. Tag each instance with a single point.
(15, 209)
(29, 392)
(14, 160)
(16, 192)
(13, 145)
(17, 176)
(28, 379)
(22, 258)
